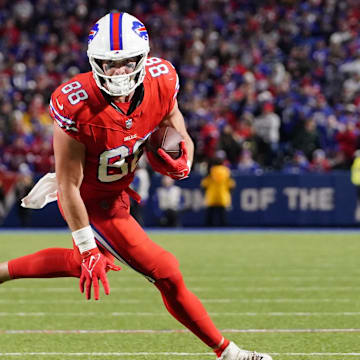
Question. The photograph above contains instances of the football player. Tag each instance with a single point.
(101, 121)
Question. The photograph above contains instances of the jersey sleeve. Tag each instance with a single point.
(63, 112)
(172, 84)
(168, 81)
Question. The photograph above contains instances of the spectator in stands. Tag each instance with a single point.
(347, 140)
(299, 164)
(16, 154)
(244, 127)
(247, 165)
(230, 144)
(2, 150)
(232, 56)
(319, 163)
(23, 187)
(2, 202)
(207, 141)
(306, 138)
(169, 200)
(267, 134)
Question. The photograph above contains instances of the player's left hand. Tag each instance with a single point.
(94, 267)
(179, 168)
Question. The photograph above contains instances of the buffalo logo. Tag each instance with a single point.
(140, 29)
(94, 30)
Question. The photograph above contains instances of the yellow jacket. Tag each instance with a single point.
(217, 186)
(355, 172)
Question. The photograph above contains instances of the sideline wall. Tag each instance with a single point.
(267, 200)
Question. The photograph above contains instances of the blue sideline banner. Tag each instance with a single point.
(278, 200)
(266, 200)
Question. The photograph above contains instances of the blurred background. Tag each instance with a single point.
(270, 91)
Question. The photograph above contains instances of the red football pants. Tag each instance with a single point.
(119, 235)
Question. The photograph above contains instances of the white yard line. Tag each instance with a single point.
(209, 289)
(135, 313)
(66, 301)
(106, 354)
(281, 288)
(251, 278)
(175, 331)
(229, 278)
(70, 289)
(317, 354)
(208, 301)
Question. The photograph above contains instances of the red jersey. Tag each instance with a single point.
(113, 140)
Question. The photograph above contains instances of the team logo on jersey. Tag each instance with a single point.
(128, 123)
(94, 30)
(140, 29)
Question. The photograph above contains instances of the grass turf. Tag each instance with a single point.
(250, 280)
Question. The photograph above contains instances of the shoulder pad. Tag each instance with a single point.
(68, 100)
(164, 72)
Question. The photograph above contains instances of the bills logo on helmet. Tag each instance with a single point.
(94, 30)
(140, 29)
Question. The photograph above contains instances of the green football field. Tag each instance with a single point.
(295, 295)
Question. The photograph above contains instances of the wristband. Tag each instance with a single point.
(84, 239)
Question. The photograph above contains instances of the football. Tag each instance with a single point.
(166, 138)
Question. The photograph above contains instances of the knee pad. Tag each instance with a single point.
(167, 266)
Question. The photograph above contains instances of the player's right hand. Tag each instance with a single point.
(94, 267)
(162, 163)
(179, 168)
(156, 163)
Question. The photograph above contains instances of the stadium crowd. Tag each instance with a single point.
(265, 85)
